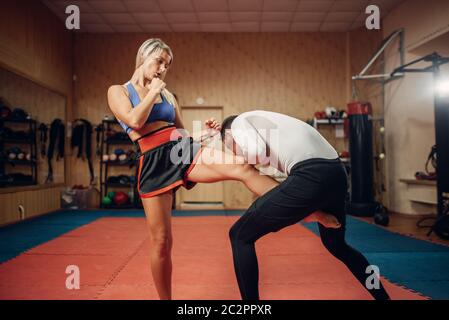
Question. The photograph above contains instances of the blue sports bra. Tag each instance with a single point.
(161, 111)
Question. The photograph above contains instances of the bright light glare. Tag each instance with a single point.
(442, 88)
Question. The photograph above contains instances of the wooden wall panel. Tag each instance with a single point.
(290, 73)
(295, 74)
(35, 202)
(35, 43)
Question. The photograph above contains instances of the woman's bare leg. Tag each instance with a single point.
(158, 213)
(214, 166)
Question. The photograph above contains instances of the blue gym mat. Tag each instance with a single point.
(416, 264)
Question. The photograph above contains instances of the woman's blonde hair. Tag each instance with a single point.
(150, 46)
(146, 49)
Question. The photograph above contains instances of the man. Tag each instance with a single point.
(316, 181)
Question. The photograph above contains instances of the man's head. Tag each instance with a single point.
(226, 135)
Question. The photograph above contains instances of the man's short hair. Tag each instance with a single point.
(226, 125)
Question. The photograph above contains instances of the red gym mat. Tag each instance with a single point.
(113, 258)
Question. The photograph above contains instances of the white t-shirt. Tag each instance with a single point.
(278, 140)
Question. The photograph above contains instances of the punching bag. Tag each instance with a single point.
(361, 151)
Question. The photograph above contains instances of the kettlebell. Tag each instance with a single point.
(381, 216)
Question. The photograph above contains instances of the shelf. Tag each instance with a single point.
(117, 141)
(118, 163)
(11, 189)
(419, 182)
(12, 140)
(111, 121)
(19, 162)
(19, 121)
(27, 142)
(113, 206)
(329, 121)
(118, 185)
(107, 142)
(19, 184)
(421, 191)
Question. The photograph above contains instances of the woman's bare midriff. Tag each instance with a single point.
(148, 127)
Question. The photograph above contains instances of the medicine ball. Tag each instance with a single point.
(120, 198)
(106, 201)
(5, 112)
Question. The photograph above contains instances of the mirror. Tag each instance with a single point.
(25, 108)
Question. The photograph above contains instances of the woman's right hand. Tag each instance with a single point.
(156, 85)
(212, 124)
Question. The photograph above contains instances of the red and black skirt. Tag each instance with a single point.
(167, 157)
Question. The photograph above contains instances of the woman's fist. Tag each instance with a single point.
(156, 84)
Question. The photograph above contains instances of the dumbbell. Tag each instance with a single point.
(14, 153)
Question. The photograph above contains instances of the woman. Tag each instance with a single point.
(150, 115)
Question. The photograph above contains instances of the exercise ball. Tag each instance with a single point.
(106, 201)
(120, 198)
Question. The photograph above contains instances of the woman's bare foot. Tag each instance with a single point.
(327, 220)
